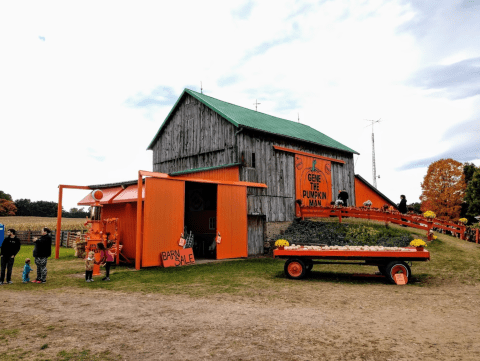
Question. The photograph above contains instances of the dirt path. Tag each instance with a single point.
(308, 322)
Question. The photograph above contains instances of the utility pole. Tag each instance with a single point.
(374, 168)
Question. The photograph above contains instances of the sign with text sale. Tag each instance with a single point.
(177, 257)
(313, 181)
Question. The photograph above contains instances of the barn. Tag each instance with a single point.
(222, 168)
(364, 191)
(294, 160)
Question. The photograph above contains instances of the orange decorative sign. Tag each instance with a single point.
(177, 257)
(400, 279)
(182, 241)
(313, 181)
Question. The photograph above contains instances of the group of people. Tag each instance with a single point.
(41, 252)
(106, 259)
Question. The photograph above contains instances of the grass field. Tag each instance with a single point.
(36, 223)
(454, 261)
(247, 310)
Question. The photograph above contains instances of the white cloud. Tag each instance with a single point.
(64, 102)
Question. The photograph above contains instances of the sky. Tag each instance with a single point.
(85, 85)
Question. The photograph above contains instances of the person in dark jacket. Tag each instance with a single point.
(343, 195)
(41, 252)
(402, 206)
(8, 251)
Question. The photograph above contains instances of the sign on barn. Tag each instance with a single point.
(313, 181)
(178, 257)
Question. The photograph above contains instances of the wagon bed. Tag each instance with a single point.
(392, 264)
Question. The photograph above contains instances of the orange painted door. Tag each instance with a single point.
(163, 218)
(232, 221)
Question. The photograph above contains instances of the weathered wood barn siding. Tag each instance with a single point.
(195, 137)
(277, 170)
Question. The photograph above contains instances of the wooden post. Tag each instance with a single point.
(139, 238)
(477, 231)
(59, 222)
(429, 228)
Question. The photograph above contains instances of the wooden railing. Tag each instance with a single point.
(410, 220)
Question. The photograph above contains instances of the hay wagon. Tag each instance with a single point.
(392, 262)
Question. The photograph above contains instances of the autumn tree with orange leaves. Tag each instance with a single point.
(443, 189)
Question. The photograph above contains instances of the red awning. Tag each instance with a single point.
(114, 195)
(130, 194)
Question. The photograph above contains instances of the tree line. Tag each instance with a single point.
(27, 208)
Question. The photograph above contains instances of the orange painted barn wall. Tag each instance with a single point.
(364, 193)
(127, 224)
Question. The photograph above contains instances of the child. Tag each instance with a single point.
(106, 258)
(26, 271)
(89, 263)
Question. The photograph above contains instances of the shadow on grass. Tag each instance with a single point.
(340, 277)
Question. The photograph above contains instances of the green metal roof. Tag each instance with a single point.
(243, 117)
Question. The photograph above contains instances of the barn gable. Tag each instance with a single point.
(258, 121)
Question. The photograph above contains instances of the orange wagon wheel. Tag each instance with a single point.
(295, 269)
(396, 267)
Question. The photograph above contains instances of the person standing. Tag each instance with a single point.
(41, 252)
(89, 263)
(26, 271)
(402, 206)
(8, 251)
(343, 195)
(106, 258)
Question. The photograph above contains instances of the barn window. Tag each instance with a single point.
(212, 224)
(253, 160)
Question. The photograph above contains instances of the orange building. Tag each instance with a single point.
(172, 206)
(364, 191)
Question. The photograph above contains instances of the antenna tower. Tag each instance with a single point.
(256, 103)
(374, 168)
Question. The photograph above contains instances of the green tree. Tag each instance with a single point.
(36, 209)
(415, 207)
(6, 196)
(472, 195)
(23, 207)
(468, 170)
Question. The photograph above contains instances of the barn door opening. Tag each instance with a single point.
(201, 218)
